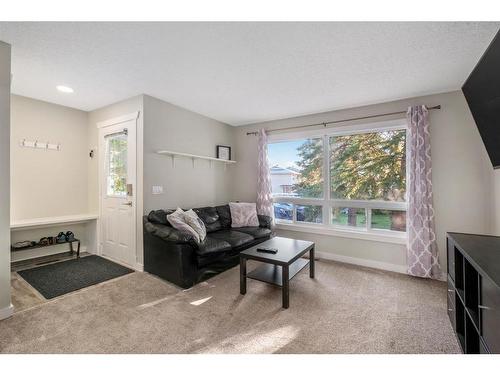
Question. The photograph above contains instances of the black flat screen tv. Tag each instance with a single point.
(482, 92)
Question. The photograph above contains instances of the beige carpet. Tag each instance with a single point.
(346, 309)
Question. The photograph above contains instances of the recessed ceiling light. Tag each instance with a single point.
(65, 89)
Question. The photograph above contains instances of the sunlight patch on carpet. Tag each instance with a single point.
(153, 303)
(200, 301)
(257, 342)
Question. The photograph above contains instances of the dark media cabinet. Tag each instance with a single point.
(474, 291)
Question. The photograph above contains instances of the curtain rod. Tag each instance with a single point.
(337, 121)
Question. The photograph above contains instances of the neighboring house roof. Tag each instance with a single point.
(281, 170)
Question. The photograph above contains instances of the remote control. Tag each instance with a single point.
(269, 250)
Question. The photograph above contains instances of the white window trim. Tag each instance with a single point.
(326, 228)
(378, 235)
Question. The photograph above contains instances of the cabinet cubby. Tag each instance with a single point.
(474, 291)
(460, 322)
(471, 292)
(471, 336)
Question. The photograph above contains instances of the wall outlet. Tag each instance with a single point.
(157, 189)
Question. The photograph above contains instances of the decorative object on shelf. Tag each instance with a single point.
(40, 145)
(223, 152)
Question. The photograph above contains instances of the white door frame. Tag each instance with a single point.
(101, 155)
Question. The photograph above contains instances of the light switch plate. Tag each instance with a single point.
(157, 189)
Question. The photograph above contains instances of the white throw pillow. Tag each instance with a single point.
(194, 221)
(178, 221)
(243, 215)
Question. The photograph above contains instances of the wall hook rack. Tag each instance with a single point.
(40, 145)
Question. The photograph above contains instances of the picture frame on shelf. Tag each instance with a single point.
(223, 152)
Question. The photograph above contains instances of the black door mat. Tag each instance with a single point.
(56, 279)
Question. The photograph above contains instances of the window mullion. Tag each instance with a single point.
(326, 181)
(368, 214)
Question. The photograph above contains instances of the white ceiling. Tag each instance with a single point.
(241, 73)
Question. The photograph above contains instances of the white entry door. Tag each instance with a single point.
(117, 145)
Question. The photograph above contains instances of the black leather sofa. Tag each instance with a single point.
(176, 257)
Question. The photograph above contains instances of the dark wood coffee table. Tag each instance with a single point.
(279, 268)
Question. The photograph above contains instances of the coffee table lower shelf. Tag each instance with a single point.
(270, 273)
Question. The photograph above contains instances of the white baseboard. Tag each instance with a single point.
(362, 262)
(137, 266)
(6, 312)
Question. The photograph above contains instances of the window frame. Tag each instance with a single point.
(107, 149)
(327, 203)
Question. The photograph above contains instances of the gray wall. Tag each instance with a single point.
(462, 175)
(495, 214)
(168, 127)
(4, 179)
(60, 176)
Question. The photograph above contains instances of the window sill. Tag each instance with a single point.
(379, 236)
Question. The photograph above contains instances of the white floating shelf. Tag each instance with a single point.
(51, 221)
(192, 156)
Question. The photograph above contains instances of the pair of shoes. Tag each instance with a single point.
(44, 241)
(23, 244)
(65, 237)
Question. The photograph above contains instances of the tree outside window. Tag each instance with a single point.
(362, 167)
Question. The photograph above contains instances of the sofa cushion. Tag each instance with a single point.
(211, 246)
(167, 233)
(159, 217)
(255, 232)
(265, 221)
(194, 221)
(210, 217)
(224, 216)
(243, 214)
(178, 221)
(233, 237)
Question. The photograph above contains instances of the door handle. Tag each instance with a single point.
(127, 204)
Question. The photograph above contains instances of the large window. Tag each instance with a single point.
(297, 168)
(365, 185)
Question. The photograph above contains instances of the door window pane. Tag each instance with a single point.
(389, 219)
(368, 166)
(116, 165)
(297, 168)
(352, 217)
(310, 214)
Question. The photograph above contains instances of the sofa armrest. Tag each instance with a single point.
(168, 259)
(167, 233)
(265, 221)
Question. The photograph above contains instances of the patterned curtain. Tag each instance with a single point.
(264, 199)
(422, 249)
